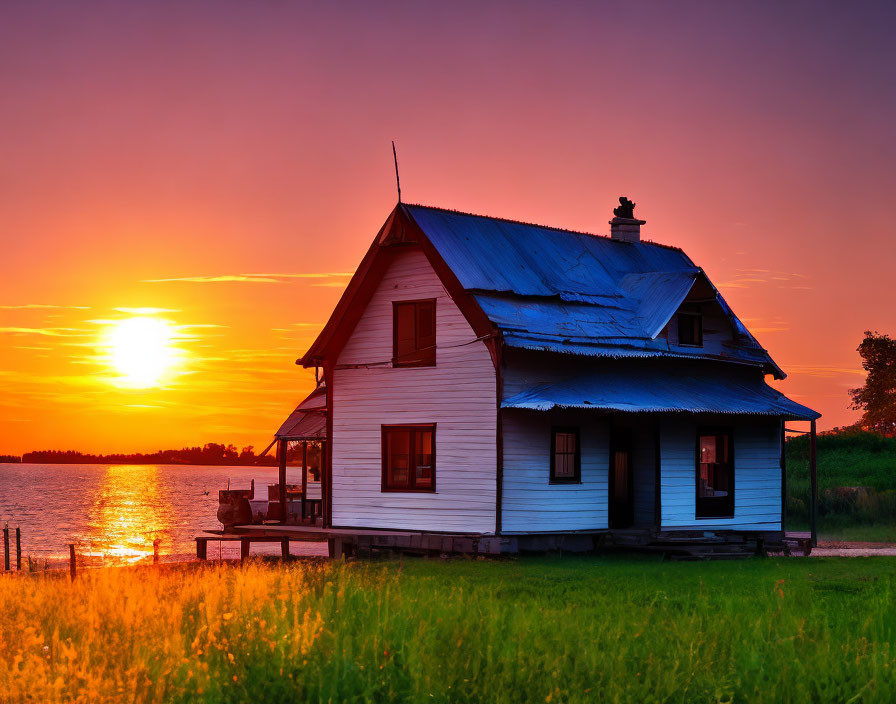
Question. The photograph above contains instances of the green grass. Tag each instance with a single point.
(570, 629)
(849, 459)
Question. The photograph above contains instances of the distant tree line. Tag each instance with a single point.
(210, 453)
(9, 458)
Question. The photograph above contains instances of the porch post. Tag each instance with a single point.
(284, 445)
(304, 476)
(657, 477)
(813, 479)
(783, 464)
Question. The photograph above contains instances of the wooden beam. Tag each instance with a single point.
(326, 455)
(783, 464)
(244, 549)
(284, 548)
(657, 476)
(813, 479)
(6, 548)
(305, 477)
(201, 548)
(499, 433)
(282, 449)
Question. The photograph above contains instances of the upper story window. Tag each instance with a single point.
(690, 329)
(414, 333)
(409, 457)
(565, 456)
(715, 474)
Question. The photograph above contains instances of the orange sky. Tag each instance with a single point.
(166, 140)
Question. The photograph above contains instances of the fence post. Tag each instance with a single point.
(6, 547)
(18, 549)
(155, 551)
(72, 569)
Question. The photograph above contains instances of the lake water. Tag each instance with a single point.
(114, 512)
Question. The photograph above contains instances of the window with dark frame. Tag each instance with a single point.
(565, 456)
(414, 333)
(690, 329)
(715, 474)
(409, 457)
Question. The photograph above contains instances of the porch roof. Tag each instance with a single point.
(303, 425)
(656, 390)
(309, 420)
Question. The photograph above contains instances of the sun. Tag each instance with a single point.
(141, 351)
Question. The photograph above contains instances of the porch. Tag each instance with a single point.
(649, 449)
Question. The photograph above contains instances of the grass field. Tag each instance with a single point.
(567, 629)
(852, 459)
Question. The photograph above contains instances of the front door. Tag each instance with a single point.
(621, 480)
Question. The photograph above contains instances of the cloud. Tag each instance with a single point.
(48, 332)
(146, 311)
(252, 278)
(743, 278)
(42, 306)
(823, 371)
(788, 274)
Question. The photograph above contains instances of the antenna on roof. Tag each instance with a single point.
(397, 180)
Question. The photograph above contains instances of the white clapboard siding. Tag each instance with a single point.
(458, 395)
(757, 476)
(313, 490)
(530, 503)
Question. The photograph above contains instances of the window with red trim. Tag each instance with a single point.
(565, 456)
(715, 474)
(414, 333)
(409, 457)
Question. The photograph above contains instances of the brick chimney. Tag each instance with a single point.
(625, 227)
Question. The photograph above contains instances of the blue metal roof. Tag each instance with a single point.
(570, 292)
(662, 388)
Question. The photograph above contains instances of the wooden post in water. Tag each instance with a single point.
(284, 548)
(18, 549)
(72, 568)
(155, 551)
(813, 479)
(6, 548)
(244, 549)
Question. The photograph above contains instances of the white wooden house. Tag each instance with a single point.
(491, 377)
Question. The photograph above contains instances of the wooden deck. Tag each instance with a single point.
(700, 545)
(360, 541)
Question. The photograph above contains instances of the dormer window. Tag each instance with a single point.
(690, 329)
(414, 333)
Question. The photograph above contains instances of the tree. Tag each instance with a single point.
(877, 398)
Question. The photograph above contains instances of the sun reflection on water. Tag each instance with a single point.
(128, 513)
